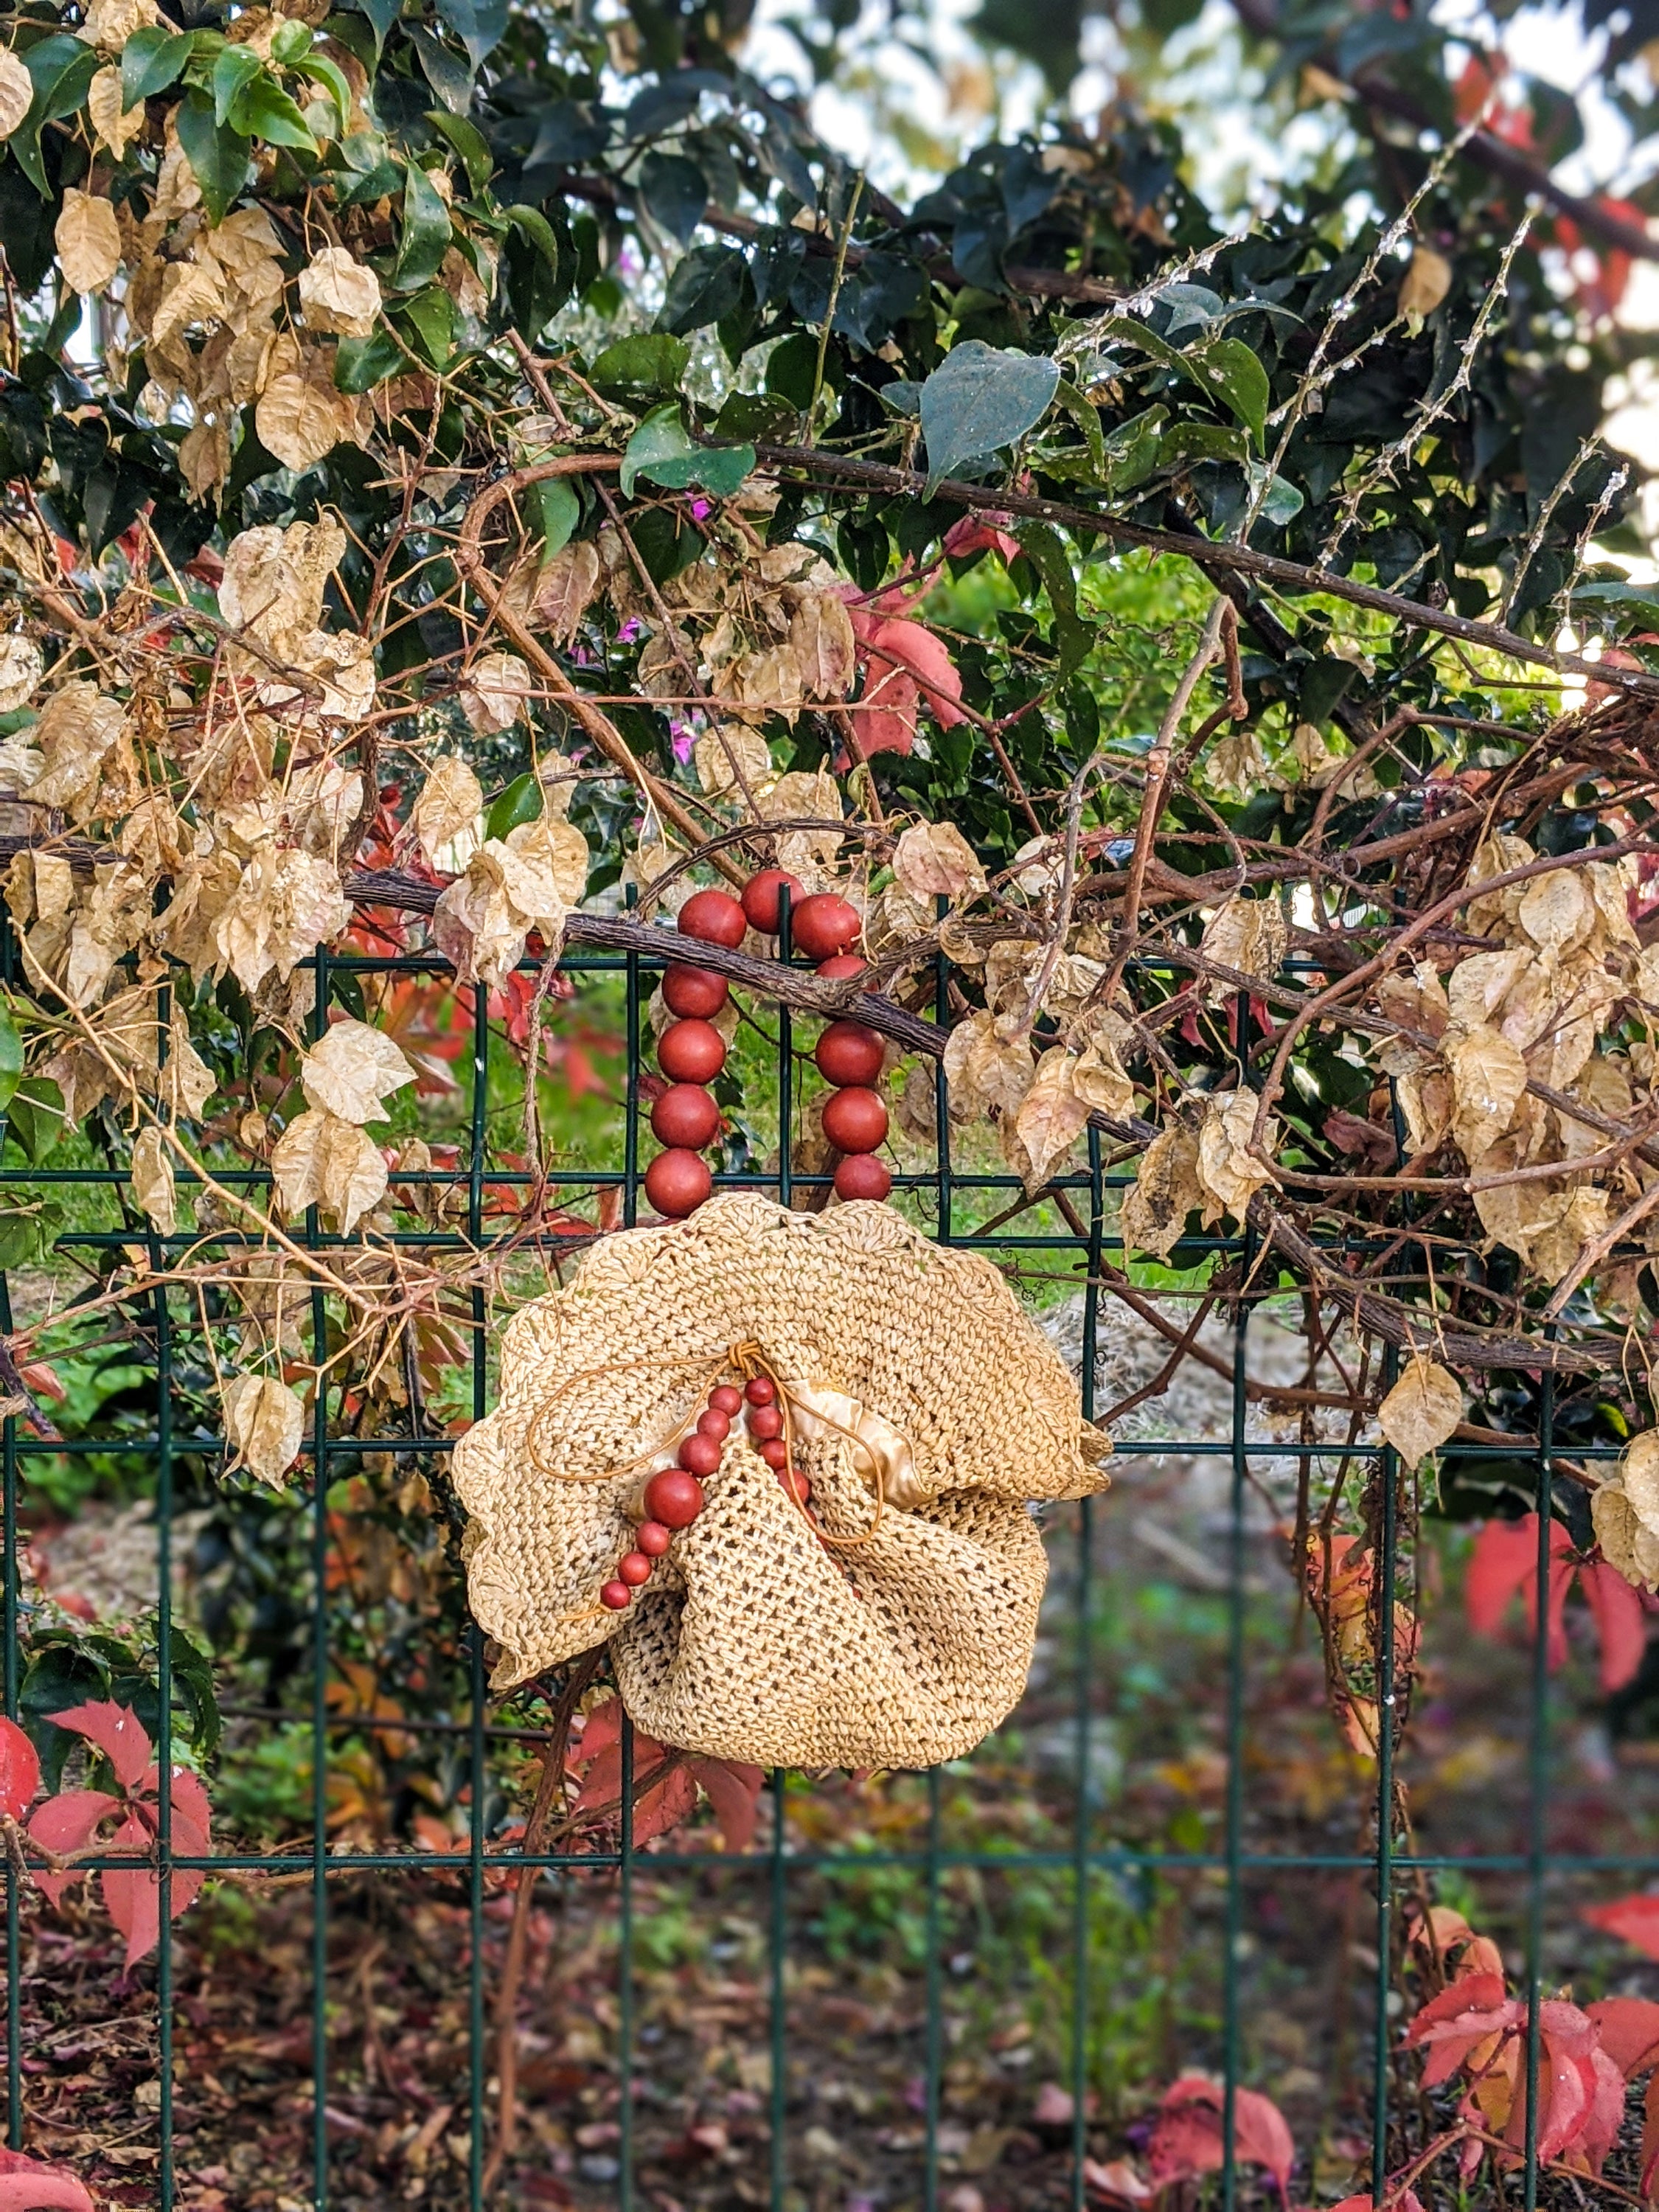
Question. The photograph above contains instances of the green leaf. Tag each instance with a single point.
(674, 192)
(11, 1059)
(236, 67)
(263, 110)
(556, 509)
(290, 42)
(537, 270)
(1086, 416)
(979, 398)
(1042, 548)
(361, 363)
(521, 802)
(34, 1118)
(382, 14)
(1132, 451)
(426, 232)
(476, 157)
(651, 359)
(708, 282)
(218, 159)
(1236, 376)
(431, 316)
(151, 60)
(478, 24)
(332, 78)
(62, 68)
(662, 449)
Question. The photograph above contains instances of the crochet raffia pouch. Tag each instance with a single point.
(891, 1622)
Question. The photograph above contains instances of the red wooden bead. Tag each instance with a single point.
(848, 1052)
(795, 1485)
(635, 1568)
(775, 1452)
(691, 1051)
(714, 1423)
(617, 1596)
(760, 1390)
(824, 925)
(694, 990)
(861, 1175)
(715, 917)
(843, 965)
(674, 1498)
(726, 1399)
(854, 1121)
(766, 1422)
(652, 1538)
(685, 1114)
(676, 1182)
(762, 896)
(698, 1454)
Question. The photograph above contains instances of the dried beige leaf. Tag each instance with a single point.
(16, 92)
(720, 754)
(495, 692)
(557, 849)
(320, 1160)
(20, 670)
(825, 650)
(298, 422)
(1556, 911)
(1478, 987)
(204, 459)
(265, 1422)
(1489, 1080)
(1099, 1078)
(1051, 1119)
(116, 126)
(152, 1179)
(1153, 1216)
(110, 23)
(352, 1070)
(450, 803)
(512, 887)
(1229, 1173)
(1629, 1548)
(566, 587)
(984, 1070)
(933, 859)
(1425, 283)
(339, 294)
(1421, 1411)
(1249, 937)
(285, 904)
(1638, 1472)
(78, 728)
(88, 237)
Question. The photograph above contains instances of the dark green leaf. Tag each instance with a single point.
(674, 192)
(476, 157)
(236, 67)
(430, 315)
(1235, 374)
(651, 361)
(662, 449)
(1043, 549)
(263, 110)
(426, 232)
(708, 282)
(981, 398)
(218, 159)
(62, 68)
(11, 1059)
(361, 363)
(478, 24)
(521, 802)
(153, 59)
(555, 510)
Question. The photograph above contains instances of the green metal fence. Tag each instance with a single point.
(1070, 1237)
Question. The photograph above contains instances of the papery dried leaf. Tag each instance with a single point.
(285, 905)
(495, 692)
(1425, 283)
(450, 804)
(117, 126)
(1249, 936)
(16, 92)
(20, 670)
(1099, 1078)
(1489, 1078)
(933, 859)
(87, 239)
(77, 730)
(821, 640)
(984, 1070)
(320, 1160)
(300, 421)
(1556, 911)
(1050, 1118)
(511, 887)
(722, 755)
(1422, 1410)
(1229, 1172)
(152, 1179)
(1628, 1546)
(338, 292)
(352, 1070)
(1153, 1217)
(566, 587)
(265, 1424)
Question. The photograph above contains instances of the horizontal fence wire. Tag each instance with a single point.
(1080, 1248)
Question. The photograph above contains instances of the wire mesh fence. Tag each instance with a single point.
(1148, 1869)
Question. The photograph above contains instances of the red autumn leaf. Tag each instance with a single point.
(132, 1895)
(1407, 2201)
(19, 1770)
(1630, 2032)
(735, 1791)
(1466, 2014)
(1504, 1565)
(1636, 1918)
(905, 666)
(26, 2185)
(114, 1731)
(1621, 1626)
(1186, 2140)
(913, 646)
(977, 533)
(1572, 2087)
(67, 1824)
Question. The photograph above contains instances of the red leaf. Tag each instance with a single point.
(1629, 2031)
(1466, 2012)
(913, 647)
(1606, 2113)
(884, 715)
(1636, 1918)
(66, 1824)
(26, 2185)
(1504, 1564)
(114, 1731)
(1567, 2083)
(19, 1770)
(1186, 2141)
(665, 1804)
(735, 1791)
(1621, 1626)
(132, 1895)
(1407, 2201)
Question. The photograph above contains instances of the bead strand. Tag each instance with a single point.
(691, 1053)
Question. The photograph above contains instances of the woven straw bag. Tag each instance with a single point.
(898, 1630)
